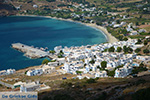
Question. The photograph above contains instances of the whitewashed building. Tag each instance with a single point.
(48, 69)
(57, 49)
(33, 72)
(3, 72)
(7, 72)
(101, 74)
(120, 73)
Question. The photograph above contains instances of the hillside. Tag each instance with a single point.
(8, 6)
(100, 89)
(6, 9)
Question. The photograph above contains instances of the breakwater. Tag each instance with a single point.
(30, 51)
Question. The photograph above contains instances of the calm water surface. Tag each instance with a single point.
(40, 32)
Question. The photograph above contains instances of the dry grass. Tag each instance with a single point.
(136, 88)
(129, 1)
(147, 28)
(125, 8)
(128, 90)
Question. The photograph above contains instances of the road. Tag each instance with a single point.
(6, 84)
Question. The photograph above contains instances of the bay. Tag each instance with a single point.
(41, 32)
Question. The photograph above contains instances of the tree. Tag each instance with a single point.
(141, 68)
(60, 55)
(137, 23)
(103, 64)
(140, 16)
(111, 49)
(92, 61)
(119, 49)
(141, 65)
(91, 80)
(45, 61)
(61, 52)
(125, 39)
(145, 42)
(99, 23)
(111, 73)
(118, 21)
(130, 50)
(125, 49)
(78, 72)
(98, 67)
(120, 37)
(94, 56)
(146, 51)
(50, 0)
(52, 51)
(137, 50)
(124, 31)
(105, 50)
(139, 41)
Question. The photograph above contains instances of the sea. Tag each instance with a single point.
(41, 32)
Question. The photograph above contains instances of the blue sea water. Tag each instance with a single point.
(40, 32)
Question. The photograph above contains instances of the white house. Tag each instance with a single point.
(123, 23)
(101, 74)
(7, 72)
(48, 69)
(134, 33)
(33, 72)
(141, 30)
(61, 60)
(147, 37)
(128, 68)
(117, 26)
(66, 67)
(87, 67)
(124, 71)
(3, 72)
(11, 71)
(35, 6)
(143, 58)
(129, 29)
(57, 49)
(29, 87)
(120, 73)
(53, 64)
(80, 77)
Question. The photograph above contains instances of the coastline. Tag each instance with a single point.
(109, 37)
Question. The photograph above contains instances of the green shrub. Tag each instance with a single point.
(91, 80)
(51, 0)
(137, 50)
(45, 61)
(146, 51)
(103, 64)
(111, 49)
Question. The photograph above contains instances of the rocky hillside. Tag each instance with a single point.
(6, 8)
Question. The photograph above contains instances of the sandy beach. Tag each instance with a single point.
(110, 38)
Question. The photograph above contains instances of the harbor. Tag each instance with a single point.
(30, 51)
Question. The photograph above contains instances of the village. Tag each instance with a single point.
(91, 61)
